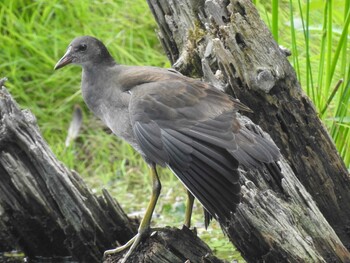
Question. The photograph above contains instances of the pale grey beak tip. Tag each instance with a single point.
(65, 60)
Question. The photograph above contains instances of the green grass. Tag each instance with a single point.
(35, 34)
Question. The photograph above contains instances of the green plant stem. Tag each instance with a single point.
(331, 96)
(294, 40)
(329, 54)
(341, 44)
(306, 30)
(275, 19)
(322, 57)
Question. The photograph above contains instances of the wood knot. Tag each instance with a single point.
(265, 80)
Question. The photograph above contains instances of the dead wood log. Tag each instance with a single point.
(170, 245)
(46, 208)
(227, 44)
(47, 211)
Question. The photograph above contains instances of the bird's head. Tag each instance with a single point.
(85, 51)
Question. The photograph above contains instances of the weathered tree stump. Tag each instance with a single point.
(170, 245)
(227, 44)
(46, 210)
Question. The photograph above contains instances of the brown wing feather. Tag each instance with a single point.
(191, 127)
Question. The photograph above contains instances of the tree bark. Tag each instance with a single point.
(170, 245)
(46, 208)
(47, 211)
(227, 44)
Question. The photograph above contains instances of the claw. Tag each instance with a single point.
(132, 243)
(119, 249)
(144, 228)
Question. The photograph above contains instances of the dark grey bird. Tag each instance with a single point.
(174, 121)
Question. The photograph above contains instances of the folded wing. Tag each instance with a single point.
(192, 128)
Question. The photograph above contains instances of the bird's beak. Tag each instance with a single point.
(65, 60)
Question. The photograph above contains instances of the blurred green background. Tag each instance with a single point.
(35, 34)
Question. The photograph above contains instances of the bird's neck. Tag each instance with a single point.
(100, 64)
(96, 72)
(97, 84)
(92, 79)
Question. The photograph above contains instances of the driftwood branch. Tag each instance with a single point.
(227, 44)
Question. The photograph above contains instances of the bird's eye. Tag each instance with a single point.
(82, 47)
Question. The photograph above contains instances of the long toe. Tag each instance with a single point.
(121, 248)
(132, 243)
(139, 237)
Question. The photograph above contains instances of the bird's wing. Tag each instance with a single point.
(192, 128)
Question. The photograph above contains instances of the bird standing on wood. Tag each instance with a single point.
(174, 121)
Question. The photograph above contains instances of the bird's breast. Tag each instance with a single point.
(118, 120)
(111, 105)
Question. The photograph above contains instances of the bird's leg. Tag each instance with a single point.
(189, 206)
(144, 227)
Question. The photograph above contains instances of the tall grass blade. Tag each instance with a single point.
(345, 45)
(294, 40)
(342, 43)
(329, 47)
(306, 31)
(336, 88)
(341, 124)
(275, 19)
(322, 57)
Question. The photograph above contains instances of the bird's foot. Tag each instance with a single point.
(192, 229)
(144, 228)
(132, 243)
